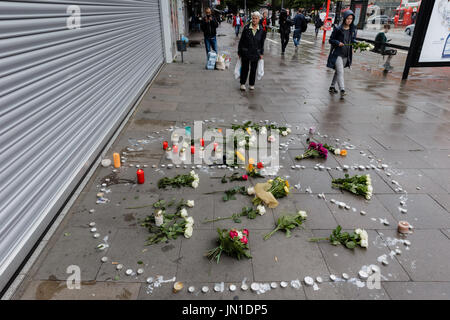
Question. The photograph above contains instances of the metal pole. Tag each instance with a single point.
(245, 9)
(326, 18)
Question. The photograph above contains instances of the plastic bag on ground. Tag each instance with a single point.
(261, 191)
(260, 69)
(237, 69)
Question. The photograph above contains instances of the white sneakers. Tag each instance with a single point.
(250, 87)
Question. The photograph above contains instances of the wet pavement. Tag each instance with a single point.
(403, 125)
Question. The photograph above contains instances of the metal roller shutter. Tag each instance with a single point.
(63, 92)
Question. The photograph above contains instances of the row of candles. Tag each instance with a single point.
(139, 172)
(175, 147)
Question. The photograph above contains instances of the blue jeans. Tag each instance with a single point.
(297, 36)
(236, 29)
(210, 42)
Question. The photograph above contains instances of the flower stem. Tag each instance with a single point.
(267, 236)
(318, 239)
(217, 219)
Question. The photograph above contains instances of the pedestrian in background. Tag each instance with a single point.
(209, 25)
(250, 50)
(285, 28)
(237, 24)
(340, 57)
(318, 23)
(265, 22)
(300, 26)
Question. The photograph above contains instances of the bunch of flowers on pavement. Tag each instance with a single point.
(254, 172)
(249, 212)
(358, 184)
(336, 151)
(315, 150)
(362, 46)
(249, 127)
(230, 193)
(349, 240)
(287, 223)
(165, 226)
(234, 177)
(271, 190)
(231, 242)
(181, 180)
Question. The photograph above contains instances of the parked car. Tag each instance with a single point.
(409, 30)
(382, 19)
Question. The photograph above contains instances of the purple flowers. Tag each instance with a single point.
(314, 150)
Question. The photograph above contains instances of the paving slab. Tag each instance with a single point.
(422, 210)
(427, 256)
(342, 260)
(418, 290)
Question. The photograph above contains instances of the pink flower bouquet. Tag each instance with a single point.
(233, 242)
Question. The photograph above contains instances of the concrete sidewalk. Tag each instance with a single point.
(406, 126)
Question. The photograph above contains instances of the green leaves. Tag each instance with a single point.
(287, 223)
(230, 246)
(337, 237)
(179, 181)
(358, 184)
(230, 194)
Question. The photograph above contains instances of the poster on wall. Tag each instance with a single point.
(436, 45)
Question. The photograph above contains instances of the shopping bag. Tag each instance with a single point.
(260, 69)
(237, 69)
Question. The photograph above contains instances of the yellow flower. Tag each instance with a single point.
(270, 181)
(286, 189)
(249, 130)
(287, 183)
(250, 167)
(343, 152)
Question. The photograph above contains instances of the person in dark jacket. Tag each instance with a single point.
(285, 28)
(318, 23)
(380, 46)
(340, 57)
(299, 25)
(250, 50)
(209, 25)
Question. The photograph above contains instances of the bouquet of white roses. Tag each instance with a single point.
(360, 185)
(181, 180)
(349, 240)
(362, 46)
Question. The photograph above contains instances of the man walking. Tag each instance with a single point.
(285, 28)
(300, 26)
(209, 25)
(237, 24)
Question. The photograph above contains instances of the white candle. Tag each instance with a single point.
(159, 218)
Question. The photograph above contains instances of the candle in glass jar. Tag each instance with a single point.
(202, 142)
(175, 149)
(140, 176)
(116, 158)
(215, 145)
(169, 153)
(192, 149)
(188, 131)
(165, 145)
(159, 218)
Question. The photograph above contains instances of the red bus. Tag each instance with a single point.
(406, 14)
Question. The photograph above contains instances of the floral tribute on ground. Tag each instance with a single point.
(166, 226)
(358, 184)
(349, 240)
(232, 242)
(181, 180)
(287, 223)
(315, 150)
(267, 193)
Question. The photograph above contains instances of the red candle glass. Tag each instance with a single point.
(192, 149)
(202, 142)
(215, 145)
(175, 149)
(165, 145)
(140, 176)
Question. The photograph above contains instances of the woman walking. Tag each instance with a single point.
(250, 50)
(340, 57)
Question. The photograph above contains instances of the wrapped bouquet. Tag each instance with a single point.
(358, 184)
(268, 192)
(231, 242)
(349, 240)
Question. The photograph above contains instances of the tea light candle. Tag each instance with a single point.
(140, 176)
